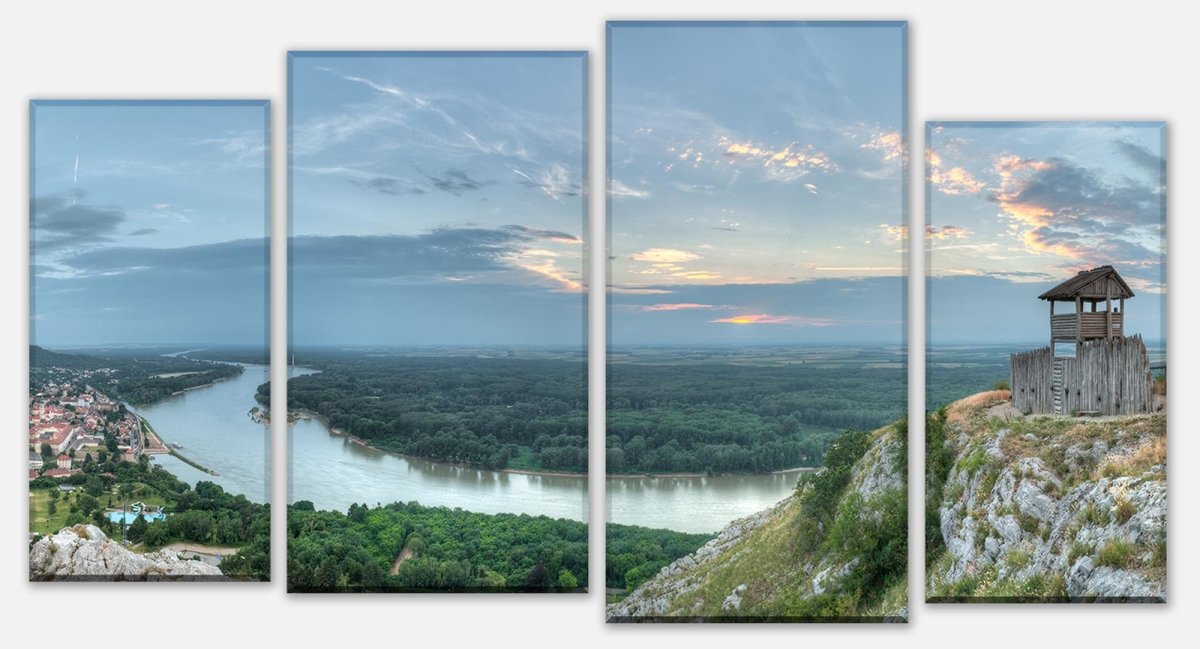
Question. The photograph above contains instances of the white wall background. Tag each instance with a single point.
(1013, 59)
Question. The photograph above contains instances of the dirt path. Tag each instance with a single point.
(404, 555)
(211, 550)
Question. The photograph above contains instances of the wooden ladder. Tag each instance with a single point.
(1057, 386)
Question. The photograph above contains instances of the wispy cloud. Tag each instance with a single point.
(680, 306)
(664, 255)
(618, 189)
(768, 319)
(889, 143)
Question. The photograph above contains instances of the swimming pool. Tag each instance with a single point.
(127, 518)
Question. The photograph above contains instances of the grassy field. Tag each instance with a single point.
(42, 522)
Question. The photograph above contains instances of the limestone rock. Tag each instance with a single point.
(84, 552)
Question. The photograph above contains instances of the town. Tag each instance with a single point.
(73, 425)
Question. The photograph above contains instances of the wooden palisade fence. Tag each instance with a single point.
(1107, 377)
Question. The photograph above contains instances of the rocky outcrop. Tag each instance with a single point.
(755, 567)
(84, 552)
(1052, 508)
(655, 597)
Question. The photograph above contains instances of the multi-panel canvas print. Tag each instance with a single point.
(148, 340)
(437, 393)
(1046, 375)
(756, 444)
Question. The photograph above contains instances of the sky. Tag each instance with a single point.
(756, 183)
(1016, 208)
(148, 223)
(437, 198)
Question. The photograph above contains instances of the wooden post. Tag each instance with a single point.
(1051, 327)
(1078, 325)
(1108, 316)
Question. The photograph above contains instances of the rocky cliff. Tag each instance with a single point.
(835, 550)
(83, 552)
(1045, 508)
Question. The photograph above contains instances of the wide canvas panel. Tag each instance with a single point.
(437, 395)
(756, 192)
(148, 340)
(1046, 362)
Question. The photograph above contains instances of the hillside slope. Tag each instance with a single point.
(836, 550)
(1044, 508)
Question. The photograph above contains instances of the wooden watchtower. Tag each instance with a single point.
(1088, 287)
(1106, 372)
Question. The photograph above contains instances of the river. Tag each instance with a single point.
(333, 471)
(212, 425)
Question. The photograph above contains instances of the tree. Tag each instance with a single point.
(46, 450)
(567, 580)
(537, 580)
(93, 486)
(372, 577)
(137, 529)
(87, 503)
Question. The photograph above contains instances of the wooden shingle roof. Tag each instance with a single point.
(1091, 285)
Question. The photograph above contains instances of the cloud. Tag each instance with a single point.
(768, 319)
(680, 306)
(890, 144)
(555, 181)
(664, 255)
(454, 182)
(636, 290)
(618, 189)
(945, 232)
(246, 148)
(785, 164)
(392, 185)
(895, 232)
(1065, 210)
(60, 223)
(954, 181)
(213, 257)
(536, 233)
(141, 232)
(1140, 156)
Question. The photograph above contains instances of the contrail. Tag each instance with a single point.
(76, 168)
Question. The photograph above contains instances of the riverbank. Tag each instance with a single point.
(308, 414)
(161, 447)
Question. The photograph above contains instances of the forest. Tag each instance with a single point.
(633, 554)
(727, 417)
(204, 514)
(406, 547)
(490, 412)
(530, 413)
(136, 377)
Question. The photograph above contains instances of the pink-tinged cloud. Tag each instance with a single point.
(664, 256)
(945, 232)
(895, 232)
(954, 181)
(677, 306)
(768, 319)
(547, 269)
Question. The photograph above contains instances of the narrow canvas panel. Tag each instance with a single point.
(757, 295)
(1046, 362)
(148, 340)
(437, 395)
